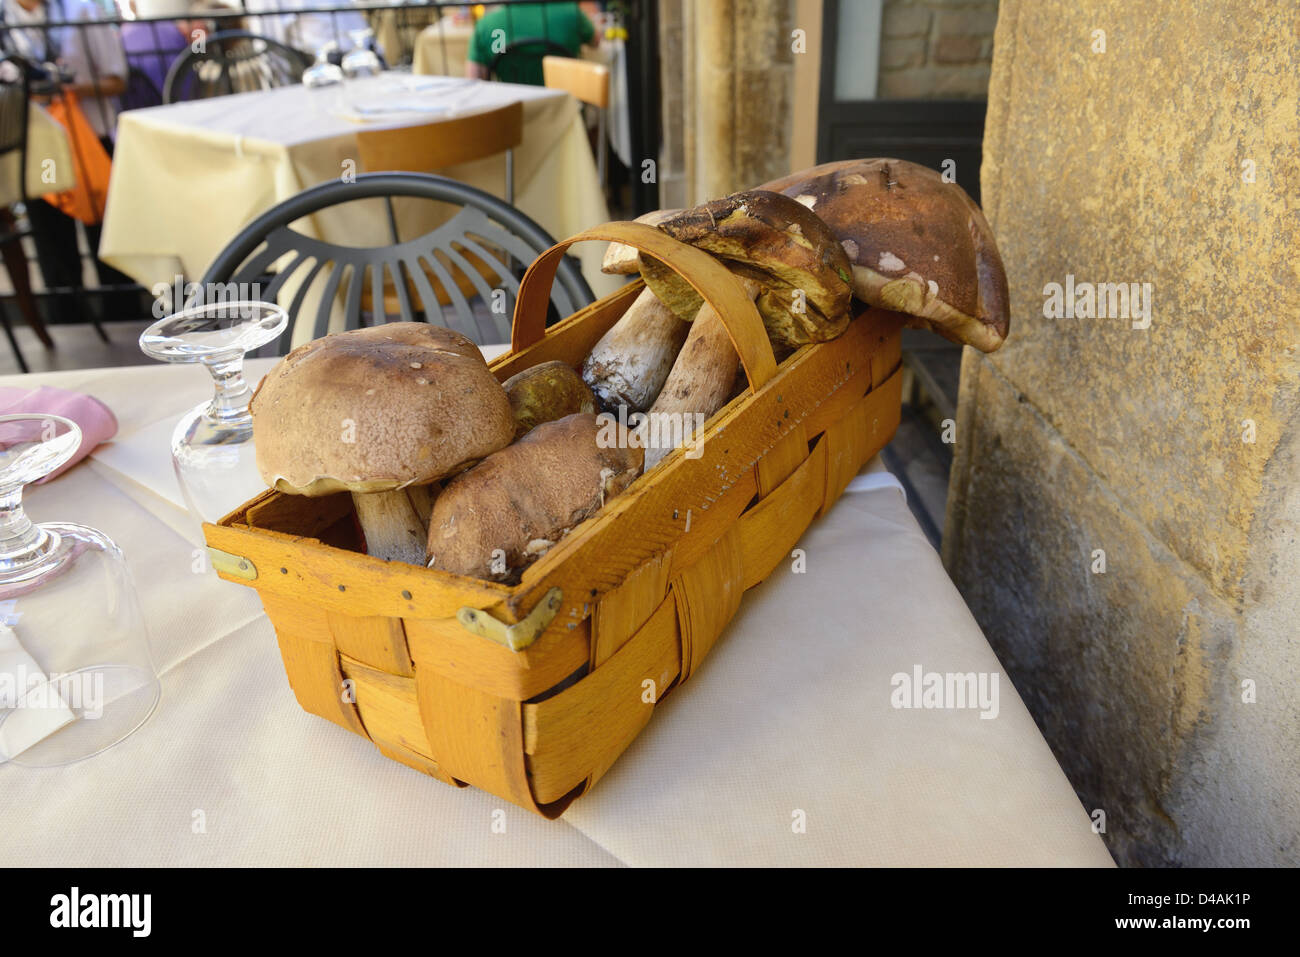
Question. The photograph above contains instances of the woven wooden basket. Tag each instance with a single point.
(532, 691)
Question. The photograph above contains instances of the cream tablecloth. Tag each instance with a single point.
(46, 140)
(187, 177)
(442, 48)
(789, 719)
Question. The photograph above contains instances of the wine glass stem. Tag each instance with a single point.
(20, 540)
(233, 394)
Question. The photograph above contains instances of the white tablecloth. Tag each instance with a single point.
(789, 719)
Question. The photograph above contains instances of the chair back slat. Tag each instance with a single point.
(434, 146)
(582, 79)
(484, 247)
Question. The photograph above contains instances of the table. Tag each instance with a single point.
(442, 48)
(46, 140)
(187, 177)
(782, 719)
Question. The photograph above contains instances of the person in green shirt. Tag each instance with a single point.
(561, 23)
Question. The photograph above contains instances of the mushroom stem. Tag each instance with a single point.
(630, 363)
(396, 523)
(700, 382)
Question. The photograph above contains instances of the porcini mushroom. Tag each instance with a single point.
(497, 518)
(918, 244)
(790, 262)
(379, 412)
(629, 364)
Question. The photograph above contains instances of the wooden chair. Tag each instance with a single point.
(588, 82)
(435, 146)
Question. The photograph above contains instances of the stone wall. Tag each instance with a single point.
(727, 72)
(1124, 508)
(936, 49)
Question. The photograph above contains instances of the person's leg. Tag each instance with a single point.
(55, 237)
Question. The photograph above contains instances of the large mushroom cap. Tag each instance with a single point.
(786, 250)
(918, 245)
(377, 409)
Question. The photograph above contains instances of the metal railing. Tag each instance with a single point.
(398, 21)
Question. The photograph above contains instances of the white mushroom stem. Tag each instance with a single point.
(699, 384)
(396, 523)
(630, 363)
(621, 259)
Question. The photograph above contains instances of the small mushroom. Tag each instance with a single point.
(382, 413)
(788, 260)
(918, 245)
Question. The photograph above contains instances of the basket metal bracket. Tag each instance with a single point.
(518, 636)
(236, 566)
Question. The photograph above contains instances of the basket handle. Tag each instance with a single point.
(706, 275)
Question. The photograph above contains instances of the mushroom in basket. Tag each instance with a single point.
(506, 512)
(919, 245)
(788, 259)
(629, 364)
(382, 413)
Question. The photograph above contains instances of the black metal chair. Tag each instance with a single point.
(233, 61)
(141, 91)
(15, 96)
(521, 60)
(478, 254)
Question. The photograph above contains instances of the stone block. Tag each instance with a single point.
(901, 52)
(957, 49)
(901, 19)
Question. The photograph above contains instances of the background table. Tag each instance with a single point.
(187, 177)
(442, 48)
(791, 713)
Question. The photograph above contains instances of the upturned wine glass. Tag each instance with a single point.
(212, 444)
(361, 60)
(76, 675)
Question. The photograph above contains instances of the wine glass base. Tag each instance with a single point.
(77, 715)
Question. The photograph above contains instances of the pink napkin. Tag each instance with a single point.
(97, 423)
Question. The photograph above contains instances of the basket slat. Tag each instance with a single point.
(708, 594)
(474, 736)
(779, 463)
(626, 608)
(590, 724)
(311, 661)
(854, 438)
(768, 531)
(388, 708)
(443, 645)
(377, 642)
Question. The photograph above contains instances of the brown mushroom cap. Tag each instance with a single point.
(377, 409)
(918, 245)
(803, 272)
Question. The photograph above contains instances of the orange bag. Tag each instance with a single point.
(85, 201)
